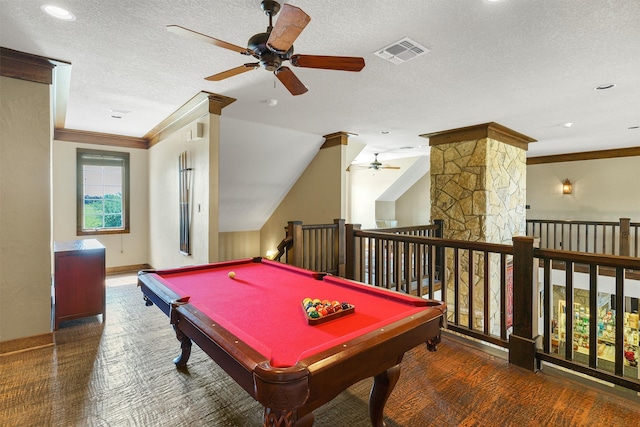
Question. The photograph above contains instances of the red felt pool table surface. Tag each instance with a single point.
(254, 327)
(262, 306)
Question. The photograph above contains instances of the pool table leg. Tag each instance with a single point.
(383, 385)
(286, 418)
(185, 347)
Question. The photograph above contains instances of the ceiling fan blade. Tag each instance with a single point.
(342, 63)
(290, 24)
(207, 39)
(389, 167)
(233, 72)
(290, 81)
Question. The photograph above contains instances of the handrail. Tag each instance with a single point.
(606, 237)
(582, 318)
(509, 317)
(503, 305)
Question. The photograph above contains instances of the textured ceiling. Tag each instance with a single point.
(530, 65)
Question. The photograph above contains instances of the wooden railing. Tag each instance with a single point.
(504, 305)
(314, 247)
(419, 265)
(578, 330)
(597, 237)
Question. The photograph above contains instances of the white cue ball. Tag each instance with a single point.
(232, 274)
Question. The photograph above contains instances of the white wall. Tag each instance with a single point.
(127, 249)
(25, 209)
(603, 190)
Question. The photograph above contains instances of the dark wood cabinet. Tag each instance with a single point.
(79, 280)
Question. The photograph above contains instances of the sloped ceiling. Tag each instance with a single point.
(530, 65)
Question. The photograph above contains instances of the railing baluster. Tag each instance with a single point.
(619, 358)
(503, 296)
(420, 270)
(470, 293)
(593, 316)
(456, 285)
(568, 310)
(548, 311)
(487, 296)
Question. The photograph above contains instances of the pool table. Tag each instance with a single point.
(254, 327)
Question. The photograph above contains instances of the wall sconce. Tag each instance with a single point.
(567, 188)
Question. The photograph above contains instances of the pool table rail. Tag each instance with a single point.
(289, 395)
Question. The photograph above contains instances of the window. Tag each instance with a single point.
(102, 192)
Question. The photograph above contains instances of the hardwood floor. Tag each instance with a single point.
(120, 374)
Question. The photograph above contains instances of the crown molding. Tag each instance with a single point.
(586, 155)
(486, 130)
(87, 137)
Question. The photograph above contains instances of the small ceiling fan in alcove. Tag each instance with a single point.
(375, 165)
(275, 46)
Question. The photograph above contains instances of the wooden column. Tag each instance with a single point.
(339, 247)
(294, 255)
(522, 341)
(351, 253)
(625, 244)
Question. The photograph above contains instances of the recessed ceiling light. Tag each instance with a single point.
(567, 125)
(58, 12)
(272, 102)
(605, 86)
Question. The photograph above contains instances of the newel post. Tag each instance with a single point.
(440, 259)
(522, 341)
(294, 229)
(339, 246)
(351, 251)
(625, 244)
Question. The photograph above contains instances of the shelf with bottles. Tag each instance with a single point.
(605, 330)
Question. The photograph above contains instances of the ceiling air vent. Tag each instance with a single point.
(401, 51)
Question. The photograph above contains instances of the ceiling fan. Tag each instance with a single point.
(376, 165)
(275, 46)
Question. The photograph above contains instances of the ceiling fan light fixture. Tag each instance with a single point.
(58, 12)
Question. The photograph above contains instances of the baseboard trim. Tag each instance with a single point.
(26, 343)
(127, 268)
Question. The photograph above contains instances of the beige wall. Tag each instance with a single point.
(25, 209)
(239, 244)
(164, 215)
(366, 186)
(316, 198)
(414, 206)
(385, 210)
(129, 249)
(603, 190)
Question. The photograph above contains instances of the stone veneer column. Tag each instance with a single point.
(478, 188)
